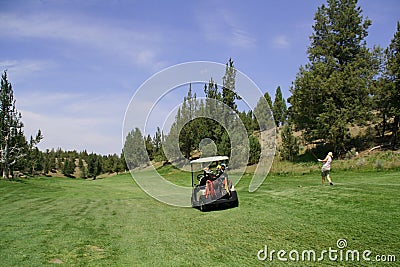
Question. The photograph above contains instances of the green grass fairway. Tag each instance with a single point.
(111, 222)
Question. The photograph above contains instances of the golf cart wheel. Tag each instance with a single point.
(192, 202)
(235, 203)
(203, 206)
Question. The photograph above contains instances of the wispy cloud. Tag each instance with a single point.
(281, 41)
(223, 26)
(242, 39)
(22, 68)
(136, 45)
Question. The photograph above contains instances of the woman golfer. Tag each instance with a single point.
(326, 168)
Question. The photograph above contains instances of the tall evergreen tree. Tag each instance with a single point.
(97, 168)
(290, 147)
(68, 167)
(46, 162)
(34, 159)
(93, 166)
(211, 90)
(255, 150)
(228, 86)
(263, 114)
(124, 165)
(247, 119)
(332, 90)
(149, 146)
(82, 168)
(279, 108)
(268, 98)
(380, 95)
(135, 150)
(393, 86)
(188, 135)
(52, 160)
(13, 144)
(157, 141)
(158, 149)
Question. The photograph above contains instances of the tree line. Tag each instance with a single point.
(71, 163)
(208, 126)
(345, 84)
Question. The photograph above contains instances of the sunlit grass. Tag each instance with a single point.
(111, 222)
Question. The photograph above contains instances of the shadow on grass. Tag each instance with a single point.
(17, 180)
(217, 208)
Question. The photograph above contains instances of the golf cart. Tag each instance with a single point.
(212, 189)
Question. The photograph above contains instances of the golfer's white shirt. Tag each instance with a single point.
(327, 165)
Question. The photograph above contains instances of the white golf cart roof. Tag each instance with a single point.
(209, 159)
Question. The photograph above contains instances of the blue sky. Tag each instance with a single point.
(74, 65)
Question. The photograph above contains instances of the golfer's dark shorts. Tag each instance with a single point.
(325, 172)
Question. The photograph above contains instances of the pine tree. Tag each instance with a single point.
(332, 90)
(135, 150)
(158, 145)
(124, 165)
(82, 168)
(212, 105)
(34, 158)
(149, 147)
(68, 167)
(228, 86)
(13, 143)
(188, 136)
(263, 114)
(255, 150)
(279, 108)
(290, 147)
(46, 162)
(224, 146)
(381, 98)
(157, 141)
(90, 164)
(247, 119)
(269, 100)
(97, 168)
(393, 77)
(119, 165)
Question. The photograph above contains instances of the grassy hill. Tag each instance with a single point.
(111, 222)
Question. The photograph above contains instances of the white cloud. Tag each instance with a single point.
(281, 41)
